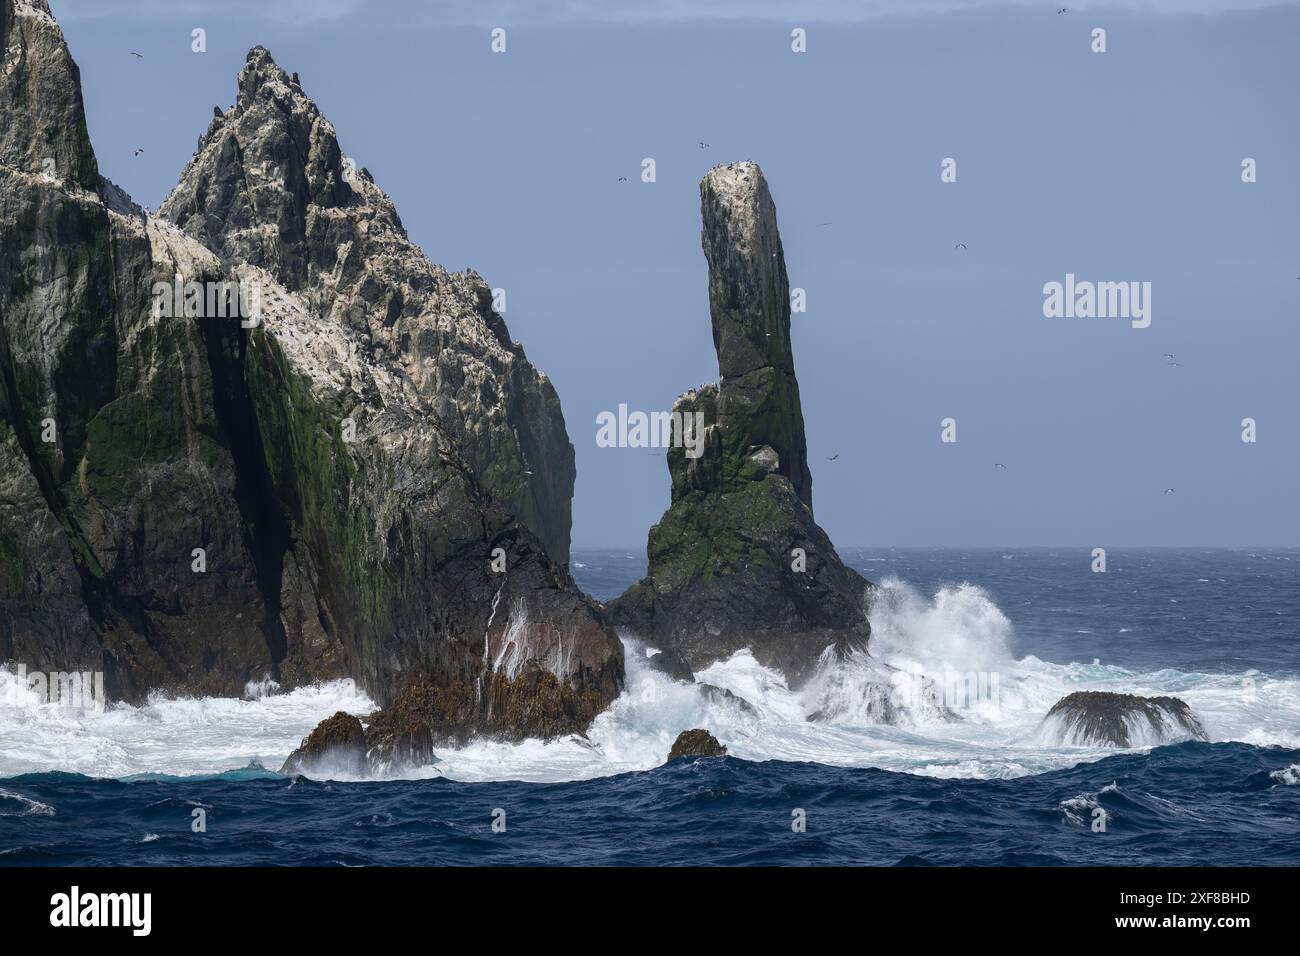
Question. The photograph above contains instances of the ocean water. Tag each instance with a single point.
(982, 780)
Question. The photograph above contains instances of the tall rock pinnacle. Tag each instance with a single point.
(737, 560)
(749, 300)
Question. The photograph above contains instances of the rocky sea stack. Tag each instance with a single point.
(363, 477)
(737, 560)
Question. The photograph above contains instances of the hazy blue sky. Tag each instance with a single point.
(1115, 166)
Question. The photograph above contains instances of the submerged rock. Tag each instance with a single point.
(737, 560)
(696, 743)
(222, 501)
(1104, 719)
(338, 744)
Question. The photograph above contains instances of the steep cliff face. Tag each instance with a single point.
(189, 503)
(737, 560)
(270, 186)
(112, 459)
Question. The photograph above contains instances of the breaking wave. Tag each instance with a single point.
(16, 805)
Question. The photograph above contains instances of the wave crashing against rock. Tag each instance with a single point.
(1092, 718)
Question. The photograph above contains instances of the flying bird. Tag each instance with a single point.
(1169, 491)
(1174, 364)
(622, 179)
(1168, 355)
(1060, 11)
(960, 245)
(138, 56)
(139, 151)
(833, 457)
(998, 464)
(703, 145)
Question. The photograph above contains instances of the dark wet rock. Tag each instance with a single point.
(720, 695)
(737, 560)
(696, 743)
(1104, 719)
(337, 745)
(349, 505)
(672, 664)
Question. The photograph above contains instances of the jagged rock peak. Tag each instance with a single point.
(270, 186)
(36, 8)
(40, 97)
(259, 67)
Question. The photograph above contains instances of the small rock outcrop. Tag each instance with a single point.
(1103, 719)
(737, 560)
(696, 743)
(337, 745)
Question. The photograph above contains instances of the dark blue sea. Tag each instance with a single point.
(1220, 628)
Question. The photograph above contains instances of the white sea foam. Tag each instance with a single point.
(16, 805)
(1290, 776)
(1079, 809)
(175, 736)
(916, 640)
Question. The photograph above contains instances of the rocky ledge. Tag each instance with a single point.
(737, 560)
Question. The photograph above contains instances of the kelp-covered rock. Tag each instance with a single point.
(270, 186)
(696, 743)
(737, 560)
(1102, 719)
(190, 502)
